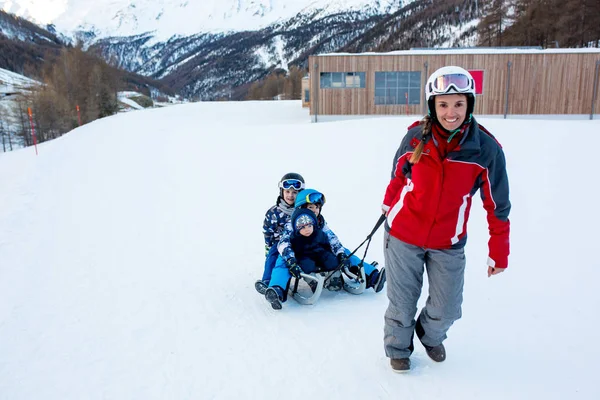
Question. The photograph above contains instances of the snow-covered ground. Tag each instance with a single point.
(13, 82)
(129, 248)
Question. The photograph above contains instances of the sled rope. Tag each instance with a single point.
(377, 225)
(367, 240)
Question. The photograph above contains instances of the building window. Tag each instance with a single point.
(398, 87)
(306, 95)
(342, 80)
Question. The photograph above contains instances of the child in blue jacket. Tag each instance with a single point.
(275, 219)
(312, 252)
(313, 200)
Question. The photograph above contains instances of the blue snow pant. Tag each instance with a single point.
(405, 266)
(281, 275)
(270, 263)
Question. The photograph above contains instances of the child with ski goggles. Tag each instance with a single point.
(274, 223)
(314, 200)
(295, 184)
(307, 249)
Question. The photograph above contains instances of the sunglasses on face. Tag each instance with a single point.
(291, 184)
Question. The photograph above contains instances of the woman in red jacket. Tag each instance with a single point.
(442, 162)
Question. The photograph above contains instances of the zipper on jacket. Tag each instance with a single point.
(437, 209)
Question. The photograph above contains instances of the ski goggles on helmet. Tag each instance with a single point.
(443, 83)
(291, 184)
(315, 198)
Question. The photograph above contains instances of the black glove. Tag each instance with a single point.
(294, 268)
(343, 260)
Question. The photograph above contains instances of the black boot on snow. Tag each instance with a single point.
(436, 353)
(261, 286)
(400, 364)
(274, 295)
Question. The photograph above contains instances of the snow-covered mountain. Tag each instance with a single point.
(212, 65)
(211, 49)
(22, 30)
(166, 18)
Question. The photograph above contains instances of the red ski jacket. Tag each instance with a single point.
(428, 203)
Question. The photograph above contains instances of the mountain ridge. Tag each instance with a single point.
(216, 65)
(168, 18)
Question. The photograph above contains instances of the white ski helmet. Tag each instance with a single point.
(450, 80)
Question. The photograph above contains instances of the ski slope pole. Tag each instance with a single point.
(78, 114)
(32, 129)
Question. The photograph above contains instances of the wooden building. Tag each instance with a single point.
(509, 81)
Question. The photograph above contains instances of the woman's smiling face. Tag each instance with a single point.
(451, 110)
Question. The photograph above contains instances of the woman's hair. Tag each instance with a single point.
(426, 131)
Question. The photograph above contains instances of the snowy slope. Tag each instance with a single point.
(11, 82)
(129, 248)
(170, 17)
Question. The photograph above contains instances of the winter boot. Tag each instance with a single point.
(377, 280)
(335, 282)
(400, 364)
(436, 353)
(274, 295)
(261, 286)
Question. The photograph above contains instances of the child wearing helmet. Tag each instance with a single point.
(441, 164)
(312, 200)
(311, 251)
(274, 223)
